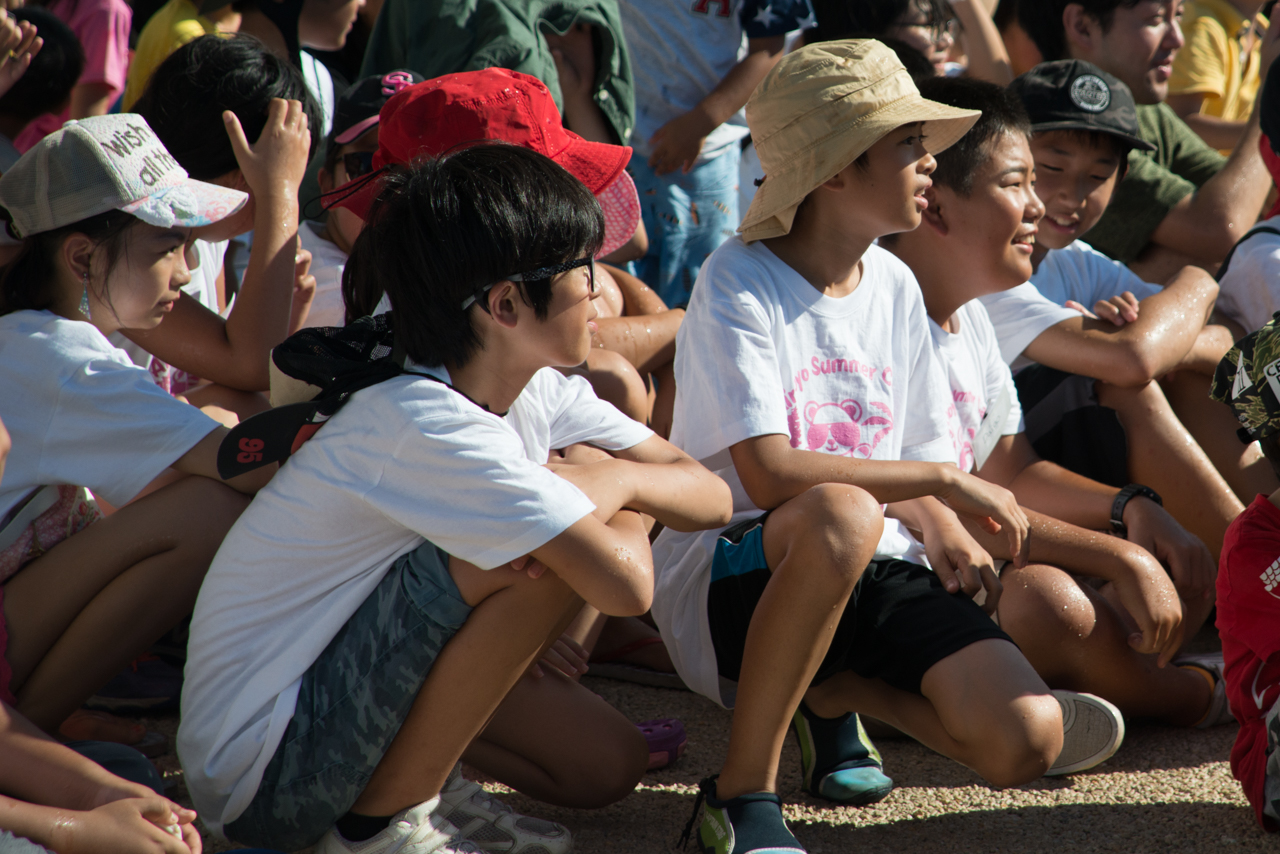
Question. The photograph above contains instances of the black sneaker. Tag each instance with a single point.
(747, 824)
(838, 760)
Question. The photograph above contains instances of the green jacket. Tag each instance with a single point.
(436, 37)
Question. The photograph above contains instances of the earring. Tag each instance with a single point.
(84, 299)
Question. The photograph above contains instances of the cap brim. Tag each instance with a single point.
(1131, 141)
(773, 209)
(354, 132)
(621, 205)
(188, 203)
(595, 164)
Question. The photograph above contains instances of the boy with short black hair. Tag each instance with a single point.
(1094, 383)
(1248, 580)
(788, 384)
(977, 237)
(341, 659)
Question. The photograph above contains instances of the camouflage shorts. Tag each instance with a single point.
(352, 702)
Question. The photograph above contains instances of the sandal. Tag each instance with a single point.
(610, 666)
(87, 725)
(666, 739)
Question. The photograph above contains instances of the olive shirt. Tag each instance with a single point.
(436, 37)
(1156, 181)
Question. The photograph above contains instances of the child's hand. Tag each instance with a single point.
(275, 164)
(529, 564)
(961, 564)
(18, 44)
(132, 826)
(304, 290)
(1151, 600)
(566, 655)
(676, 144)
(574, 54)
(1119, 310)
(1190, 564)
(993, 507)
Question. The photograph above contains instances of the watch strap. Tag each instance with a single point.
(1122, 500)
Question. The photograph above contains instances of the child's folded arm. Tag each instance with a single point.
(772, 472)
(608, 564)
(1132, 355)
(1145, 588)
(957, 559)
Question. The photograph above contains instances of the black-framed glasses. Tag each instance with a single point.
(357, 163)
(538, 275)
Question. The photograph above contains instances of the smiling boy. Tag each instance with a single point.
(1181, 202)
(1093, 382)
(1092, 614)
(789, 386)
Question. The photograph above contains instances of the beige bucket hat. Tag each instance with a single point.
(819, 109)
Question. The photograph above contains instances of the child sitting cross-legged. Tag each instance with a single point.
(1094, 614)
(364, 622)
(790, 385)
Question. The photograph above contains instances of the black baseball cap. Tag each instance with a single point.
(360, 105)
(1071, 94)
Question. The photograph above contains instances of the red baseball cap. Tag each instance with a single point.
(431, 118)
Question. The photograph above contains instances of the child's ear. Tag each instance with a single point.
(935, 216)
(1080, 27)
(325, 180)
(504, 300)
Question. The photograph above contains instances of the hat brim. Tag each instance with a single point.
(621, 205)
(1131, 141)
(595, 164)
(188, 203)
(773, 209)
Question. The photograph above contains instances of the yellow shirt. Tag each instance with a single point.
(176, 23)
(1214, 61)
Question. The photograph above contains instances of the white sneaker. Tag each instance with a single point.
(1092, 730)
(494, 827)
(423, 829)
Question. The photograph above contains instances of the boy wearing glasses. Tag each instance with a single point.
(348, 154)
(383, 597)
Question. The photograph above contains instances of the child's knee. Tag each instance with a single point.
(845, 520)
(1044, 601)
(1022, 743)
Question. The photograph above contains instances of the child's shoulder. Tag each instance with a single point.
(58, 338)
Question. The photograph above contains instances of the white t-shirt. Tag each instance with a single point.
(970, 357)
(682, 49)
(405, 460)
(80, 413)
(327, 261)
(1019, 315)
(1084, 274)
(760, 352)
(1250, 291)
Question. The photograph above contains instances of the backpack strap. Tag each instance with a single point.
(1226, 262)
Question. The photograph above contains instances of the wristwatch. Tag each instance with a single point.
(1122, 498)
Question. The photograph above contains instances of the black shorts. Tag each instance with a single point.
(1066, 424)
(899, 622)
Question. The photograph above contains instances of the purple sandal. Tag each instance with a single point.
(666, 739)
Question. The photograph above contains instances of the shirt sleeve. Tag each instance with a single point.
(1200, 67)
(580, 416)
(465, 484)
(765, 18)
(104, 36)
(1111, 278)
(1019, 315)
(925, 435)
(114, 430)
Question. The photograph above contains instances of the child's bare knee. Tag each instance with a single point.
(1046, 602)
(1022, 744)
(616, 380)
(835, 526)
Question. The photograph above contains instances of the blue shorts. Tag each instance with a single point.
(352, 702)
(899, 622)
(687, 217)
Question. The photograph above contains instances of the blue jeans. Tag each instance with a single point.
(352, 702)
(687, 217)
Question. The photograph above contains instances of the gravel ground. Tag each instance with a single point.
(1167, 790)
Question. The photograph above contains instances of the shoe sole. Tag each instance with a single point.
(1093, 731)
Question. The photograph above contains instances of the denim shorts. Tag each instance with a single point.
(687, 217)
(352, 702)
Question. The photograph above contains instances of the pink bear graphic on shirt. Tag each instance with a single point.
(841, 428)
